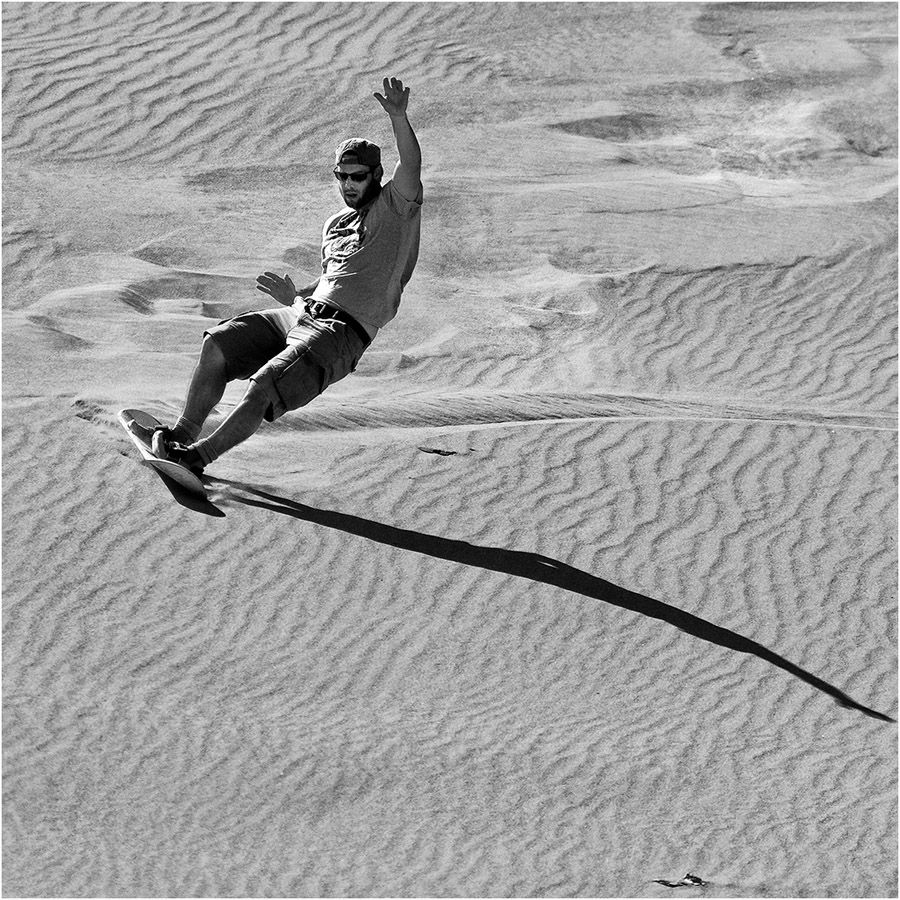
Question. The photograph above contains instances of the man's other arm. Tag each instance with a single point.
(282, 289)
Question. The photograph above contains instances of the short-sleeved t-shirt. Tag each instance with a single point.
(368, 256)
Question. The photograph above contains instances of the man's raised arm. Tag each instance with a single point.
(408, 172)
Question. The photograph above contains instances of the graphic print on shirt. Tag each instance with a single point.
(345, 237)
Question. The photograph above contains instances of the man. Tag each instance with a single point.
(292, 353)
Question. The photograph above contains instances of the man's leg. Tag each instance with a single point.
(287, 381)
(207, 386)
(242, 422)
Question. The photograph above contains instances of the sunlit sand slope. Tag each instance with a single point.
(585, 579)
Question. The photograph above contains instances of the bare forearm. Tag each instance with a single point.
(407, 144)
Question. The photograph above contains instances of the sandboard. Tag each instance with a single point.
(184, 485)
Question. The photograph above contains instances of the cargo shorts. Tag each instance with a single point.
(292, 356)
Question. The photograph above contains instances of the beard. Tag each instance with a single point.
(370, 193)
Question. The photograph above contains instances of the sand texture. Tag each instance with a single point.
(586, 578)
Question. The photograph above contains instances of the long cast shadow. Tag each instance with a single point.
(540, 569)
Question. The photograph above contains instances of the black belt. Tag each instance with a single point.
(319, 309)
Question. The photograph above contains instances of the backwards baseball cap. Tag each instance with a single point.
(359, 152)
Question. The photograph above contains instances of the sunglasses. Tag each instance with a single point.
(356, 177)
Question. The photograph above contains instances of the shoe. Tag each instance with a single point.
(185, 456)
(143, 433)
(160, 441)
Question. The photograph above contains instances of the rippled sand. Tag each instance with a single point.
(585, 579)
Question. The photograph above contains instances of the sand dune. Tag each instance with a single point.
(584, 580)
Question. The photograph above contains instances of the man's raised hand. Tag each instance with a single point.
(282, 289)
(395, 98)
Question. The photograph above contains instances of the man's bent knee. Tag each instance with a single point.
(211, 355)
(256, 396)
(262, 396)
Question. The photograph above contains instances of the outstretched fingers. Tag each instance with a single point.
(267, 282)
(397, 86)
(395, 97)
(276, 286)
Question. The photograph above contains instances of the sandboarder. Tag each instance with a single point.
(292, 353)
